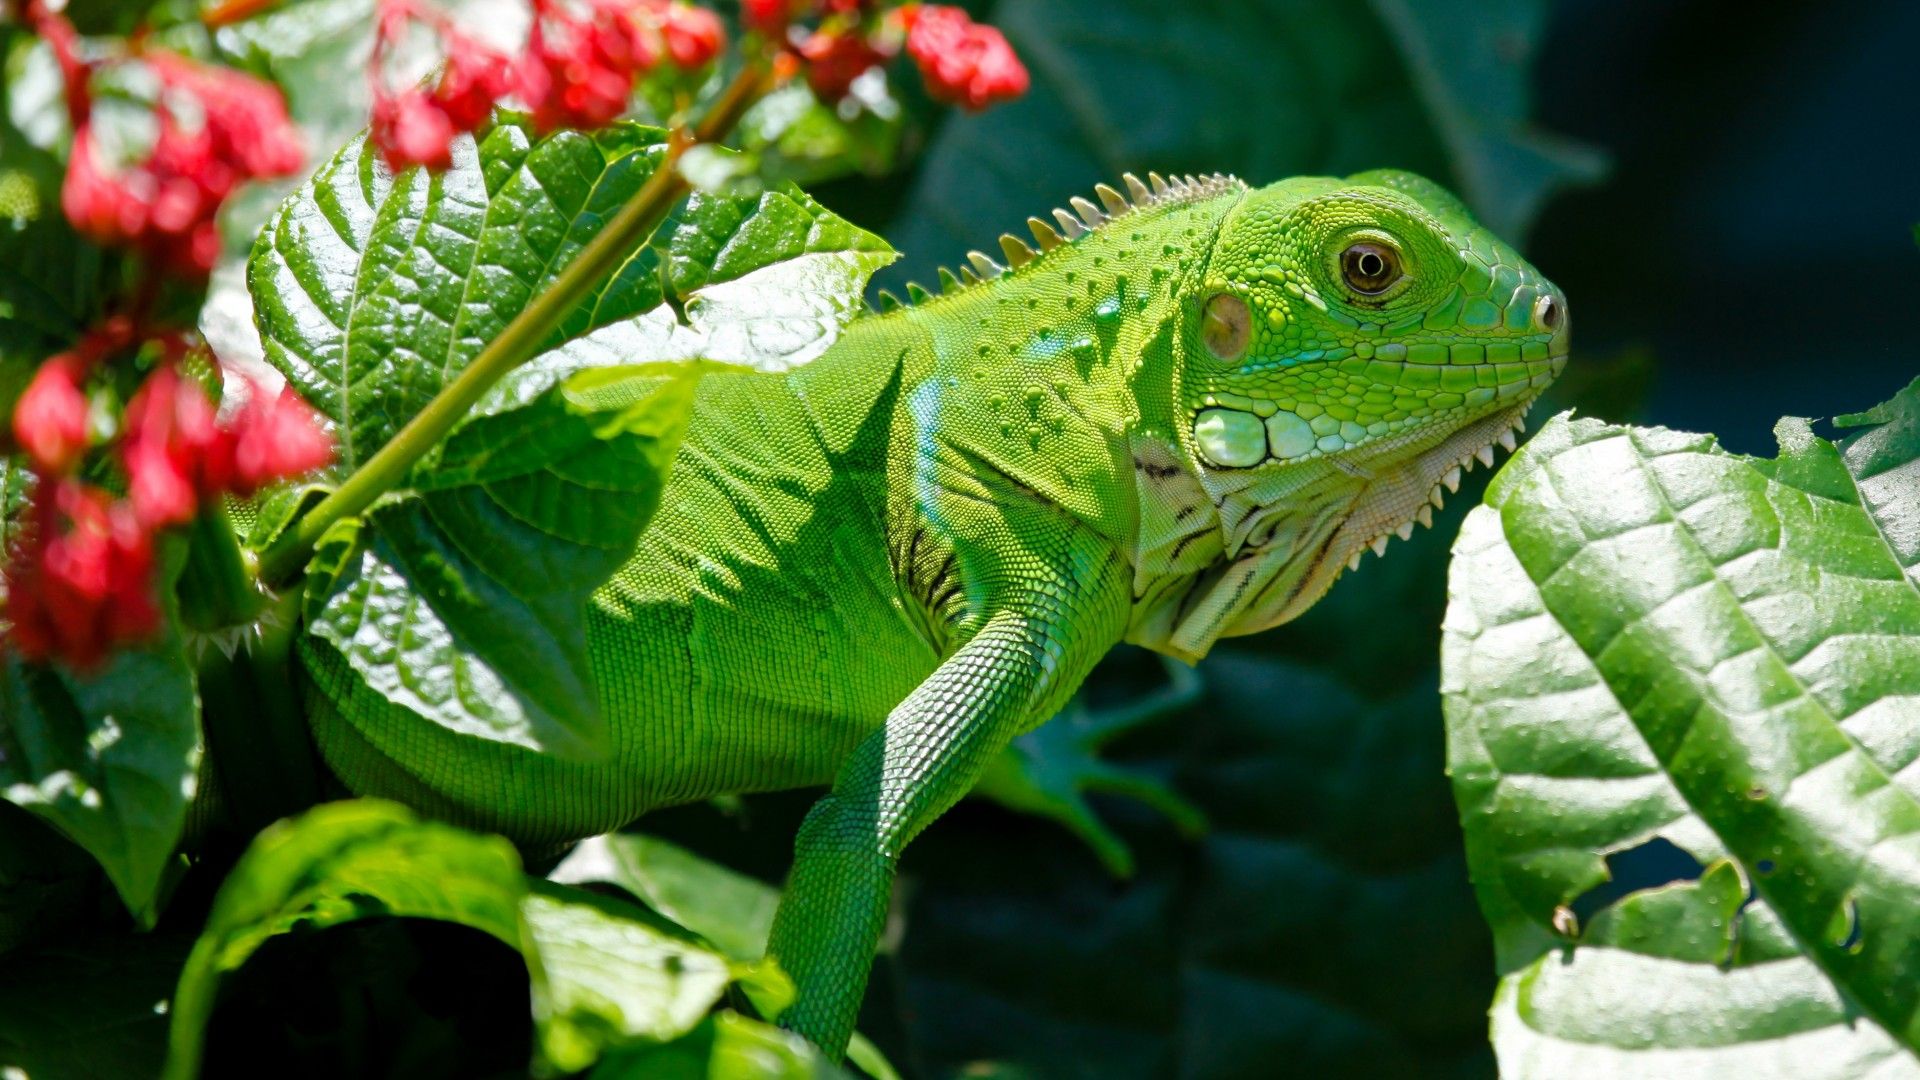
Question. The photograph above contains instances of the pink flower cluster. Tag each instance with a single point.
(214, 129)
(79, 582)
(962, 62)
(577, 71)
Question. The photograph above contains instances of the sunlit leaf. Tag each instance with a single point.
(1652, 640)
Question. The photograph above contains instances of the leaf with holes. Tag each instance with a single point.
(462, 601)
(1655, 642)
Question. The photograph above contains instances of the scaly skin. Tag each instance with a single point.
(879, 569)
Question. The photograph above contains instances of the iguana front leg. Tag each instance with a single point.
(1033, 649)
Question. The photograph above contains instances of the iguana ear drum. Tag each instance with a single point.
(1225, 326)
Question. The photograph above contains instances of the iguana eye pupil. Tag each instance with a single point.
(1226, 326)
(1370, 269)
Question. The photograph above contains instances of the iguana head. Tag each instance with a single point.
(1350, 347)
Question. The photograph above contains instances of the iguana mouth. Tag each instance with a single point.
(1289, 531)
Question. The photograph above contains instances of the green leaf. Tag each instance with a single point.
(727, 908)
(335, 864)
(1650, 637)
(109, 757)
(466, 603)
(608, 976)
(727, 1046)
(371, 290)
(463, 600)
(766, 283)
(604, 974)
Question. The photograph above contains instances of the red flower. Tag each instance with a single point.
(276, 438)
(693, 35)
(411, 129)
(174, 451)
(473, 80)
(81, 582)
(216, 128)
(962, 61)
(50, 419)
(246, 118)
(835, 58)
(768, 17)
(416, 126)
(579, 70)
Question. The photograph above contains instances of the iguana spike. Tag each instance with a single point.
(968, 277)
(948, 283)
(1043, 234)
(888, 301)
(1159, 183)
(985, 267)
(917, 294)
(1115, 202)
(1017, 252)
(1088, 212)
(1070, 226)
(1138, 191)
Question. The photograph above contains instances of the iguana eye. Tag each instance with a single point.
(1225, 326)
(1370, 269)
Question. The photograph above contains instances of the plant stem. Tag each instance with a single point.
(288, 554)
(216, 587)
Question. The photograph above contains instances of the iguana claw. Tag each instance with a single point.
(1050, 770)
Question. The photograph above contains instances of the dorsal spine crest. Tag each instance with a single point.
(1085, 218)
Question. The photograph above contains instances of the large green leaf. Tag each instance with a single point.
(107, 756)
(1653, 640)
(463, 601)
(605, 974)
(372, 290)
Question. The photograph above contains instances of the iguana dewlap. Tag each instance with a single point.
(1178, 419)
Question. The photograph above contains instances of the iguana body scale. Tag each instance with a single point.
(1178, 420)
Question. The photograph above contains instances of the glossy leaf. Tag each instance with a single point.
(728, 908)
(1653, 639)
(604, 974)
(766, 283)
(727, 1046)
(335, 864)
(463, 602)
(466, 603)
(609, 976)
(109, 756)
(373, 290)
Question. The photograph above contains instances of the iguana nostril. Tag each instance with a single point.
(1546, 312)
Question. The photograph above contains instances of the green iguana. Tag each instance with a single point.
(1178, 419)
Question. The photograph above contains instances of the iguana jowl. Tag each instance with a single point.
(1177, 420)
